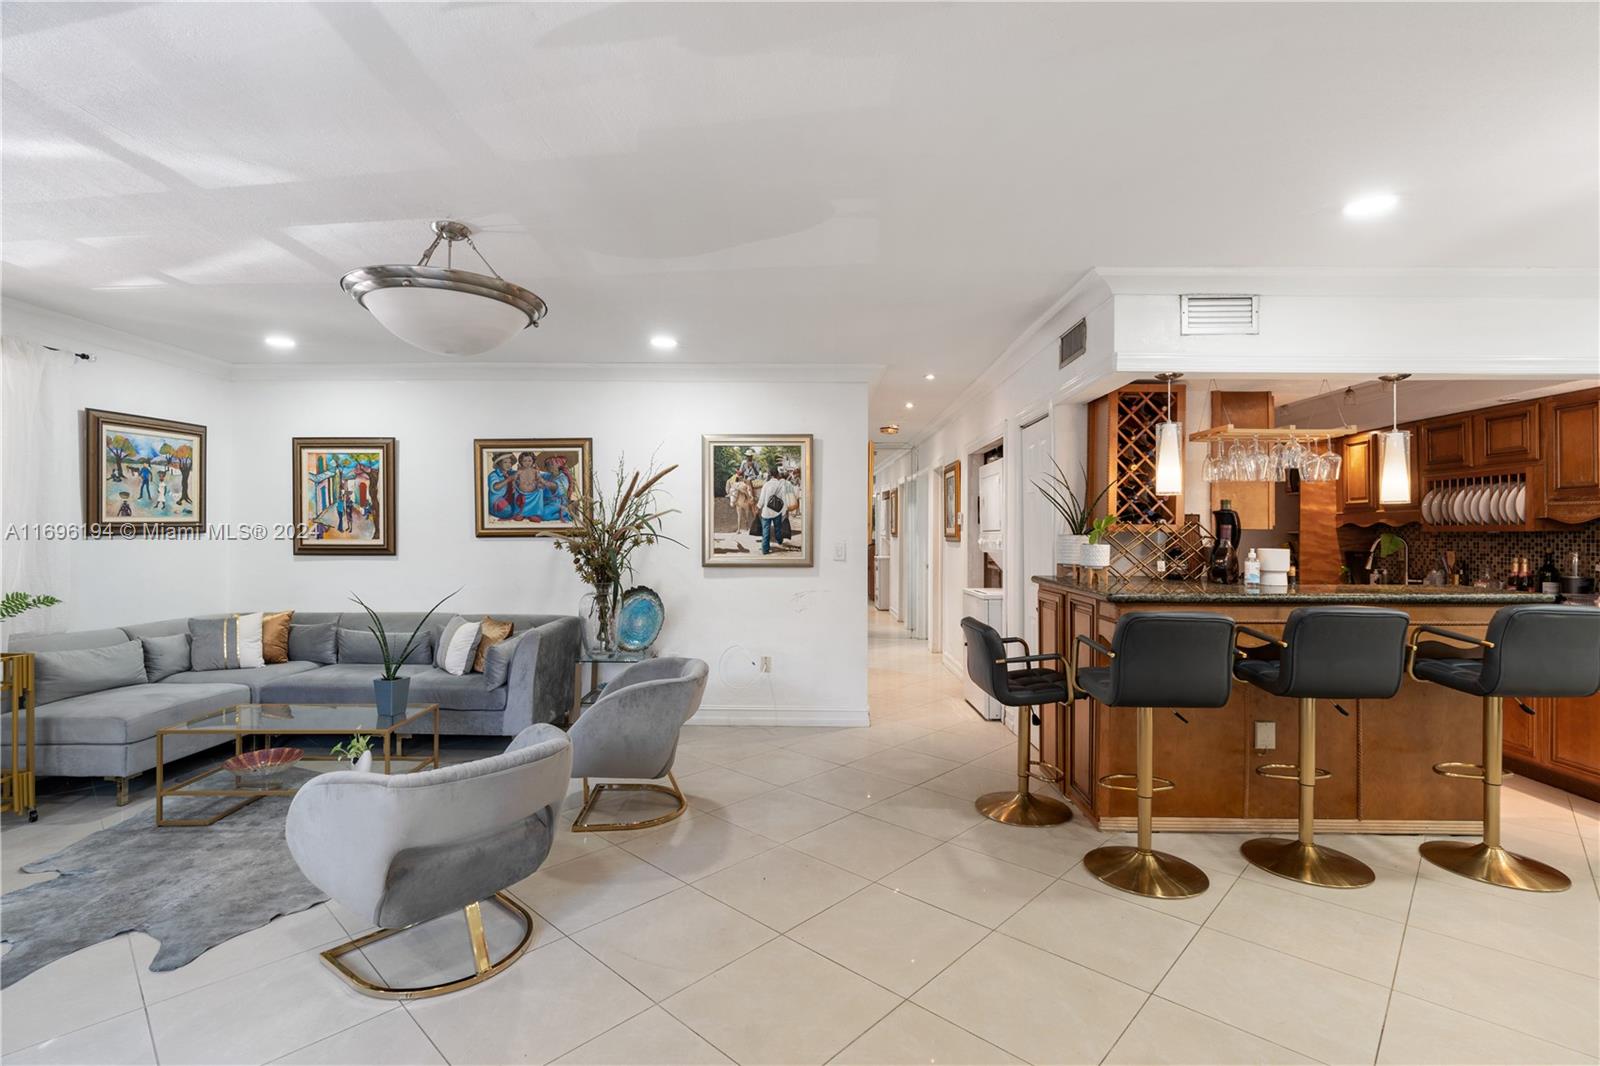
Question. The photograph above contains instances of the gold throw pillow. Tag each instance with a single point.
(491, 632)
(275, 636)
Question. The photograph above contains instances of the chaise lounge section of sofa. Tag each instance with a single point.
(110, 732)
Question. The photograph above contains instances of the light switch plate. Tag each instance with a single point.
(839, 551)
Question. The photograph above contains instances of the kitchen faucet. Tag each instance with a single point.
(1405, 559)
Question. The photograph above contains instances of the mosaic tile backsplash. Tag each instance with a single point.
(1488, 555)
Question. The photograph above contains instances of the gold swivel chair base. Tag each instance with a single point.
(1146, 873)
(592, 795)
(483, 967)
(1308, 863)
(1495, 866)
(1022, 807)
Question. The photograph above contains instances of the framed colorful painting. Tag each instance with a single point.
(143, 475)
(758, 500)
(344, 496)
(525, 487)
(952, 501)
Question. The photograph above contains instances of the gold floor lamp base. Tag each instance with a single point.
(1146, 873)
(1495, 866)
(483, 966)
(1023, 808)
(1310, 864)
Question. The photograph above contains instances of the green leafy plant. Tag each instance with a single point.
(391, 662)
(14, 603)
(1077, 512)
(1389, 543)
(1101, 527)
(352, 749)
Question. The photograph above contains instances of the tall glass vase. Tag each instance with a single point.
(600, 617)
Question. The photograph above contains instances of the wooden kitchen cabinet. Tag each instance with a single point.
(1358, 482)
(1508, 434)
(1445, 445)
(1571, 426)
(1122, 453)
(1052, 606)
(1254, 501)
(1558, 744)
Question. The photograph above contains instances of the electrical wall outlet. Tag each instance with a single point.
(766, 664)
(1266, 736)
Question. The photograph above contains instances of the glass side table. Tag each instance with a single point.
(596, 658)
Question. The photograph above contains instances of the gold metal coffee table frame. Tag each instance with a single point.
(390, 734)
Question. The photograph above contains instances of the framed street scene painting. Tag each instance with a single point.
(525, 486)
(143, 475)
(344, 496)
(952, 501)
(758, 500)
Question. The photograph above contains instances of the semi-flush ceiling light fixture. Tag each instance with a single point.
(441, 309)
(1394, 476)
(1169, 447)
(1371, 205)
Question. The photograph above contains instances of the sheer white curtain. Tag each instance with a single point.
(31, 463)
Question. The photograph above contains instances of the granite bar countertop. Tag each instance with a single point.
(1144, 590)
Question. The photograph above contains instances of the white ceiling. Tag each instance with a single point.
(904, 184)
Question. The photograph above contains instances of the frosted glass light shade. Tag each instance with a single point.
(1169, 459)
(445, 321)
(1394, 476)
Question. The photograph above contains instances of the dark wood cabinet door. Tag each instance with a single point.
(1356, 475)
(1507, 434)
(1572, 455)
(1520, 730)
(1081, 718)
(1574, 729)
(1052, 622)
(1446, 445)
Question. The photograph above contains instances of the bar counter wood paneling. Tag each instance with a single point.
(1381, 753)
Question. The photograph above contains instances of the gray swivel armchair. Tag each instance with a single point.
(404, 849)
(631, 732)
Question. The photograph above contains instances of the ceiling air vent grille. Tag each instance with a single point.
(1074, 342)
(1219, 314)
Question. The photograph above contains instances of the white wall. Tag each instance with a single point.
(809, 621)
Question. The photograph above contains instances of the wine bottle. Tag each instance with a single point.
(1549, 579)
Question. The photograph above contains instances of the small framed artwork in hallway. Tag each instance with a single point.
(344, 496)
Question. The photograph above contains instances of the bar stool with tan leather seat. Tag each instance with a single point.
(1535, 649)
(1158, 659)
(1333, 653)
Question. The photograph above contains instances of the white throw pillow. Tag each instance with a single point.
(250, 641)
(462, 643)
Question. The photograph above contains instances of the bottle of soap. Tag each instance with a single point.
(1252, 572)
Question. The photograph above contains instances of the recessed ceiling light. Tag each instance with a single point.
(909, 405)
(927, 377)
(1371, 205)
(281, 341)
(663, 342)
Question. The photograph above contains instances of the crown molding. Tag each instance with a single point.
(1475, 283)
(59, 330)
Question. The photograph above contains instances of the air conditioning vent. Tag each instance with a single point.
(1200, 314)
(1074, 342)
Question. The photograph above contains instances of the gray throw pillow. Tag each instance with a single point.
(217, 644)
(314, 642)
(165, 656)
(497, 660)
(60, 675)
(360, 646)
(446, 636)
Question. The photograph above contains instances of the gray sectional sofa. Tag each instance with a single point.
(110, 732)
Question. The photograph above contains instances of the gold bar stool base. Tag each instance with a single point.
(1146, 873)
(1495, 866)
(1022, 808)
(1310, 864)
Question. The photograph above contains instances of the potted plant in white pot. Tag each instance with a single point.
(1077, 512)
(391, 690)
(357, 751)
(1097, 553)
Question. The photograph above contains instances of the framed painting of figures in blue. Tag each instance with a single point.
(143, 475)
(526, 487)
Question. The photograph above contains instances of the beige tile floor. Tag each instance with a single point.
(832, 897)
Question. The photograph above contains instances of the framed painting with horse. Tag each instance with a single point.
(758, 500)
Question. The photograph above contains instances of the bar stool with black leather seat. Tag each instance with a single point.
(1033, 686)
(1158, 659)
(1333, 653)
(1535, 649)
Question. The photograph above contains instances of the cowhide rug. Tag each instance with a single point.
(189, 888)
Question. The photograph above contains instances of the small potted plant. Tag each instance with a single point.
(357, 751)
(1077, 512)
(1097, 553)
(391, 690)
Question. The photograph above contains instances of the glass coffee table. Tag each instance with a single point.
(267, 720)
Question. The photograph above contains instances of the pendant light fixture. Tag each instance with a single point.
(1394, 476)
(1169, 447)
(441, 309)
